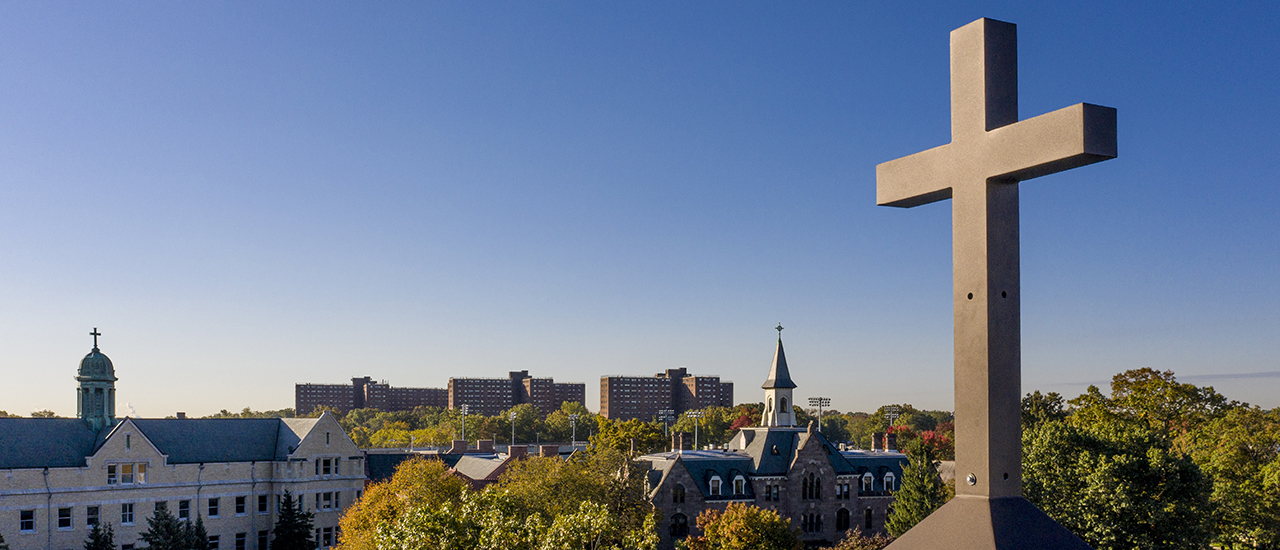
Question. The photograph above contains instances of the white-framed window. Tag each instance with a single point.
(214, 540)
(739, 485)
(213, 507)
(64, 519)
(888, 482)
(184, 509)
(263, 504)
(126, 514)
(715, 486)
(867, 481)
(126, 473)
(92, 516)
(242, 506)
(27, 521)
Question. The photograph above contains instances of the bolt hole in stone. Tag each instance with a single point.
(1004, 294)
(970, 295)
(972, 479)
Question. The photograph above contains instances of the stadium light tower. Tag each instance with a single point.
(819, 402)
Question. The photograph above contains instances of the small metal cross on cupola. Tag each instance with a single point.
(779, 329)
(95, 334)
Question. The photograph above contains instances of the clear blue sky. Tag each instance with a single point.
(243, 196)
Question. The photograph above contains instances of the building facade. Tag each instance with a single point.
(365, 393)
(627, 397)
(60, 476)
(491, 396)
(824, 489)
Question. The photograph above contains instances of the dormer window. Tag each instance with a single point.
(739, 485)
(888, 481)
(867, 481)
(715, 486)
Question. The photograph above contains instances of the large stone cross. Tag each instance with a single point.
(990, 152)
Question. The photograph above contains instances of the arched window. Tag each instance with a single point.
(867, 481)
(769, 408)
(842, 520)
(888, 481)
(868, 521)
(817, 492)
(782, 405)
(677, 493)
(776, 492)
(679, 526)
(804, 487)
(739, 485)
(715, 486)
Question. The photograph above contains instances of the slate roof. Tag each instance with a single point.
(66, 442)
(779, 376)
(45, 442)
(189, 441)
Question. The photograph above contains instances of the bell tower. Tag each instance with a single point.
(777, 391)
(96, 396)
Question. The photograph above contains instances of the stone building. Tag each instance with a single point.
(643, 397)
(824, 489)
(60, 476)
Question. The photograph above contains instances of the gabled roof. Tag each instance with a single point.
(188, 441)
(773, 449)
(779, 376)
(45, 442)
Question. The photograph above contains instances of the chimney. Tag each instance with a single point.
(549, 450)
(891, 442)
(517, 451)
(459, 447)
(877, 441)
(485, 445)
(182, 416)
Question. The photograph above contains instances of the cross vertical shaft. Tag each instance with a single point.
(988, 366)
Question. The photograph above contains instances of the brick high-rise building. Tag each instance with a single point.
(626, 397)
(490, 396)
(364, 393)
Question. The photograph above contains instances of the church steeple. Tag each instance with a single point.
(96, 396)
(777, 390)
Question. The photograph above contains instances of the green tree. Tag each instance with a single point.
(619, 434)
(1117, 486)
(100, 538)
(417, 483)
(197, 536)
(3, 545)
(1038, 408)
(45, 413)
(744, 527)
(855, 540)
(1236, 451)
(293, 525)
(166, 532)
(921, 492)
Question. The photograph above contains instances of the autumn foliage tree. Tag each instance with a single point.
(744, 527)
(417, 483)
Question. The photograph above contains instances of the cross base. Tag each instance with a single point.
(982, 523)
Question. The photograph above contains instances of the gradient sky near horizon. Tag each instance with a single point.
(243, 196)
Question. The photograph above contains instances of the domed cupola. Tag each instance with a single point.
(96, 366)
(96, 397)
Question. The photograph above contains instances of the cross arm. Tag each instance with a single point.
(1067, 138)
(915, 179)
